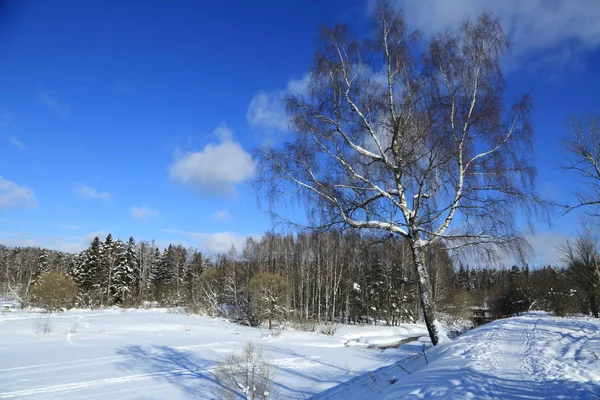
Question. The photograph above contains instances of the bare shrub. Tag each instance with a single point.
(43, 325)
(328, 328)
(246, 373)
(307, 326)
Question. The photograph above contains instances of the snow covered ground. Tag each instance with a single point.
(535, 356)
(155, 354)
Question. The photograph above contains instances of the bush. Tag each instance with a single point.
(328, 328)
(270, 296)
(53, 291)
(247, 373)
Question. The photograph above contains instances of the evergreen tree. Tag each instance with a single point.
(133, 262)
(123, 279)
(43, 266)
(375, 286)
(165, 273)
(193, 271)
(154, 276)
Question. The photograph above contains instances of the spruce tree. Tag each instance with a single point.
(43, 266)
(123, 274)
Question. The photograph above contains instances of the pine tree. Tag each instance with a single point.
(133, 261)
(43, 266)
(85, 271)
(193, 271)
(375, 286)
(122, 283)
(154, 276)
(107, 265)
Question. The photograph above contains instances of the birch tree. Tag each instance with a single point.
(581, 150)
(421, 146)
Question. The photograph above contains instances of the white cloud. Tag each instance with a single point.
(217, 168)
(267, 109)
(143, 213)
(221, 215)
(214, 243)
(51, 102)
(17, 143)
(69, 244)
(91, 193)
(544, 33)
(546, 245)
(15, 196)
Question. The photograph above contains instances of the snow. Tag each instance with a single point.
(534, 356)
(160, 354)
(165, 354)
(441, 332)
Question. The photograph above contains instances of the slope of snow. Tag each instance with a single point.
(155, 354)
(535, 356)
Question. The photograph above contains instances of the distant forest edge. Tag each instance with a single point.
(323, 277)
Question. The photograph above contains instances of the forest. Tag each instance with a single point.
(310, 277)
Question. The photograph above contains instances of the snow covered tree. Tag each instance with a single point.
(133, 265)
(375, 287)
(43, 263)
(123, 274)
(87, 273)
(210, 290)
(193, 270)
(108, 262)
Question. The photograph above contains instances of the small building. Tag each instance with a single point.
(481, 315)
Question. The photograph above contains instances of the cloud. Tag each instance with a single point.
(69, 244)
(15, 196)
(17, 143)
(214, 243)
(221, 215)
(546, 245)
(51, 102)
(266, 110)
(91, 193)
(544, 33)
(217, 169)
(143, 213)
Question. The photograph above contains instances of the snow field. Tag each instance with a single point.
(155, 354)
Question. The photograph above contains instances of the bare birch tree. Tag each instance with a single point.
(581, 150)
(418, 146)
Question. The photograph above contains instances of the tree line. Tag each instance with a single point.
(324, 277)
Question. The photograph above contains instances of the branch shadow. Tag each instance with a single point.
(181, 369)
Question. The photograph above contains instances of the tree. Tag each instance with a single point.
(270, 296)
(53, 291)
(581, 150)
(44, 263)
(426, 150)
(210, 287)
(123, 281)
(582, 257)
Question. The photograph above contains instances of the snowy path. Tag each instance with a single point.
(530, 357)
(152, 354)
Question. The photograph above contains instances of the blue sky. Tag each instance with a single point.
(138, 117)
